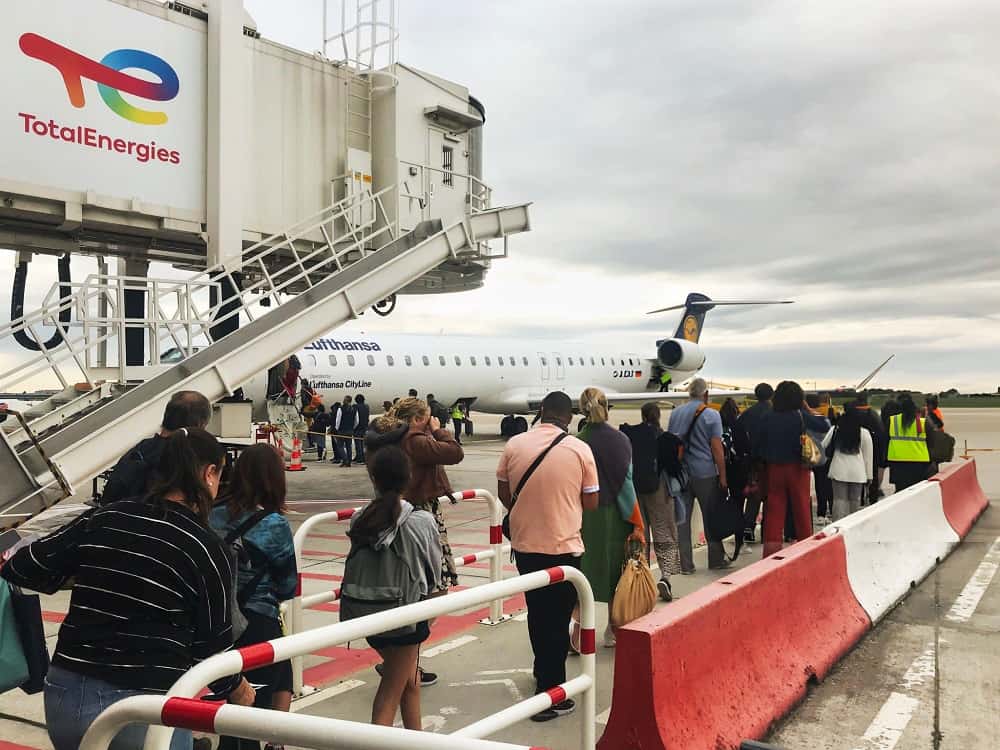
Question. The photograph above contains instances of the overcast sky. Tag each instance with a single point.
(841, 154)
(844, 155)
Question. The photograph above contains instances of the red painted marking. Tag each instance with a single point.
(4, 745)
(53, 616)
(468, 559)
(343, 661)
(496, 534)
(556, 694)
(298, 586)
(321, 577)
(556, 575)
(326, 607)
(188, 713)
(331, 537)
(343, 515)
(257, 655)
(323, 553)
(588, 641)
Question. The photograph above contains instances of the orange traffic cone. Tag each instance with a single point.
(296, 464)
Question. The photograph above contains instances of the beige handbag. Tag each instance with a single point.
(635, 594)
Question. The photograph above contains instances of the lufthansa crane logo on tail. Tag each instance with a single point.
(691, 328)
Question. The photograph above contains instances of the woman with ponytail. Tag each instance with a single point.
(909, 457)
(150, 596)
(394, 547)
(617, 517)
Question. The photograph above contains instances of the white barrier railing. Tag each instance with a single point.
(265, 725)
(281, 649)
(293, 609)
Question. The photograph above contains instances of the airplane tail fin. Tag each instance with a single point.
(697, 305)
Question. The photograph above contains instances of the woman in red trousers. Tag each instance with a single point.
(787, 477)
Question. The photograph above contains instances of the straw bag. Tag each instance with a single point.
(635, 594)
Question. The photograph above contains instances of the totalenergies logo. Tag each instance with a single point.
(107, 73)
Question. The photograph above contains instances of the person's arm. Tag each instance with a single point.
(813, 422)
(590, 485)
(46, 564)
(589, 500)
(719, 456)
(281, 556)
(438, 447)
(828, 437)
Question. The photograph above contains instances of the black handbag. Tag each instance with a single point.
(505, 525)
(28, 617)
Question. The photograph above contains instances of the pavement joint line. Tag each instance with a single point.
(449, 646)
(324, 694)
(967, 602)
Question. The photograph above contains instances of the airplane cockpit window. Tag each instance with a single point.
(472, 361)
(389, 360)
(487, 361)
(333, 360)
(458, 361)
(441, 360)
(513, 361)
(371, 360)
(426, 360)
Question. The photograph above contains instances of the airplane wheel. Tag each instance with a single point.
(520, 425)
(507, 427)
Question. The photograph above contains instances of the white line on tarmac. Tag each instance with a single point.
(512, 688)
(967, 602)
(324, 694)
(449, 646)
(523, 670)
(889, 724)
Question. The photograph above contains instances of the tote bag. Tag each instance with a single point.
(13, 667)
(635, 594)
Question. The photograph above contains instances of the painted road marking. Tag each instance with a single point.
(967, 602)
(321, 695)
(449, 646)
(512, 688)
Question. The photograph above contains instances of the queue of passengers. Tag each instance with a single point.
(160, 583)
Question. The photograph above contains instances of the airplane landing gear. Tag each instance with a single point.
(512, 425)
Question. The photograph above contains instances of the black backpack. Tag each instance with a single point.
(726, 520)
(670, 453)
(134, 472)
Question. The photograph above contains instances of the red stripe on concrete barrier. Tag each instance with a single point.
(962, 496)
(496, 534)
(188, 713)
(556, 694)
(722, 664)
(257, 655)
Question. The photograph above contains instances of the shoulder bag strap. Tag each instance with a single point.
(687, 435)
(531, 469)
(248, 524)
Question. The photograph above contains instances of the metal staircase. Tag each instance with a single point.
(293, 287)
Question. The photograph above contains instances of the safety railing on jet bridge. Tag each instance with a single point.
(281, 649)
(293, 609)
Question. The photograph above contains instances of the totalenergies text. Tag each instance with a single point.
(142, 151)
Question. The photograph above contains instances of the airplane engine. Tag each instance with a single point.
(678, 354)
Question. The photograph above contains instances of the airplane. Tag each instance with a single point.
(498, 375)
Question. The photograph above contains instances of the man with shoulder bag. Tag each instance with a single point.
(547, 479)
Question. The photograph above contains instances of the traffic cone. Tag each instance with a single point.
(296, 464)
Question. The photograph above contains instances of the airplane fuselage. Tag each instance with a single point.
(494, 375)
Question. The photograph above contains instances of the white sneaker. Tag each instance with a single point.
(610, 640)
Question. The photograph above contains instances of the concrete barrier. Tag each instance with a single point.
(894, 544)
(722, 664)
(962, 496)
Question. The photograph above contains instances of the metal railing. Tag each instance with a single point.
(281, 649)
(265, 725)
(293, 609)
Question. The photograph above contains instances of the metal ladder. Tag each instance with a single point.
(312, 286)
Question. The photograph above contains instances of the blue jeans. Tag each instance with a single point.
(73, 701)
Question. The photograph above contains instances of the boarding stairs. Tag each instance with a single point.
(296, 285)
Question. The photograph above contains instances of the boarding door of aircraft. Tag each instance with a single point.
(543, 363)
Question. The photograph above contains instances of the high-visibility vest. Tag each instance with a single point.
(457, 413)
(908, 443)
(665, 378)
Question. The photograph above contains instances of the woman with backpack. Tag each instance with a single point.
(393, 546)
(252, 517)
(850, 448)
(150, 597)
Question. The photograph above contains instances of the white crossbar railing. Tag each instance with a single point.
(293, 609)
(281, 649)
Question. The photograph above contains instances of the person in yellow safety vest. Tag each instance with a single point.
(909, 458)
(665, 379)
(458, 419)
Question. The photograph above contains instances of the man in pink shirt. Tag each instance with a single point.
(545, 521)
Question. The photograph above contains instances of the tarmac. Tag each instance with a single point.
(946, 694)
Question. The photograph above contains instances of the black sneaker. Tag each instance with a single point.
(568, 706)
(724, 565)
(663, 587)
(426, 678)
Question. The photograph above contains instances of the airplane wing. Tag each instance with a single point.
(669, 396)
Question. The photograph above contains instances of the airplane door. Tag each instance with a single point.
(543, 362)
(560, 367)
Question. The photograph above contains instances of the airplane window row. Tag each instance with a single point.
(487, 361)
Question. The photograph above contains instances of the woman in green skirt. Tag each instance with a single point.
(617, 518)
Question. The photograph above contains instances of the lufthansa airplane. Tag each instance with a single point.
(496, 375)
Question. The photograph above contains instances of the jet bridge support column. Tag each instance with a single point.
(135, 309)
